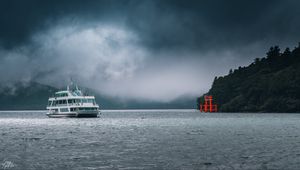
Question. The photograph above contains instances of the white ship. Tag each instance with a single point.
(72, 103)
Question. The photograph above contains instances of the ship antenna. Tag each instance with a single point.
(71, 81)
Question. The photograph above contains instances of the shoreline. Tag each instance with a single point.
(162, 110)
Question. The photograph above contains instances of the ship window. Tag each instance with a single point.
(70, 101)
(64, 110)
(84, 101)
(64, 101)
(87, 108)
(83, 108)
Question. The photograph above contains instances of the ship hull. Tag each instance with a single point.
(80, 114)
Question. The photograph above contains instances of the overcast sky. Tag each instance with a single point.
(144, 50)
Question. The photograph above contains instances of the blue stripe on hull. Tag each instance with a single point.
(79, 115)
(87, 115)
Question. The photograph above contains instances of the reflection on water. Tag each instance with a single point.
(143, 139)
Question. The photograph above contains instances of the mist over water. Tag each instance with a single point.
(112, 60)
(150, 139)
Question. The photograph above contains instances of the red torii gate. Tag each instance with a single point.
(208, 106)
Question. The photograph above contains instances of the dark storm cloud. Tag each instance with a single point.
(216, 24)
(21, 19)
(163, 24)
(154, 50)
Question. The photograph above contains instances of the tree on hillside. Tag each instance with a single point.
(273, 52)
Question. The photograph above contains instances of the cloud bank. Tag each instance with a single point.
(142, 50)
(109, 59)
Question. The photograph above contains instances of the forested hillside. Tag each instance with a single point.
(269, 84)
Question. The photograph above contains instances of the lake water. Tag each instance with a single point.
(150, 139)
